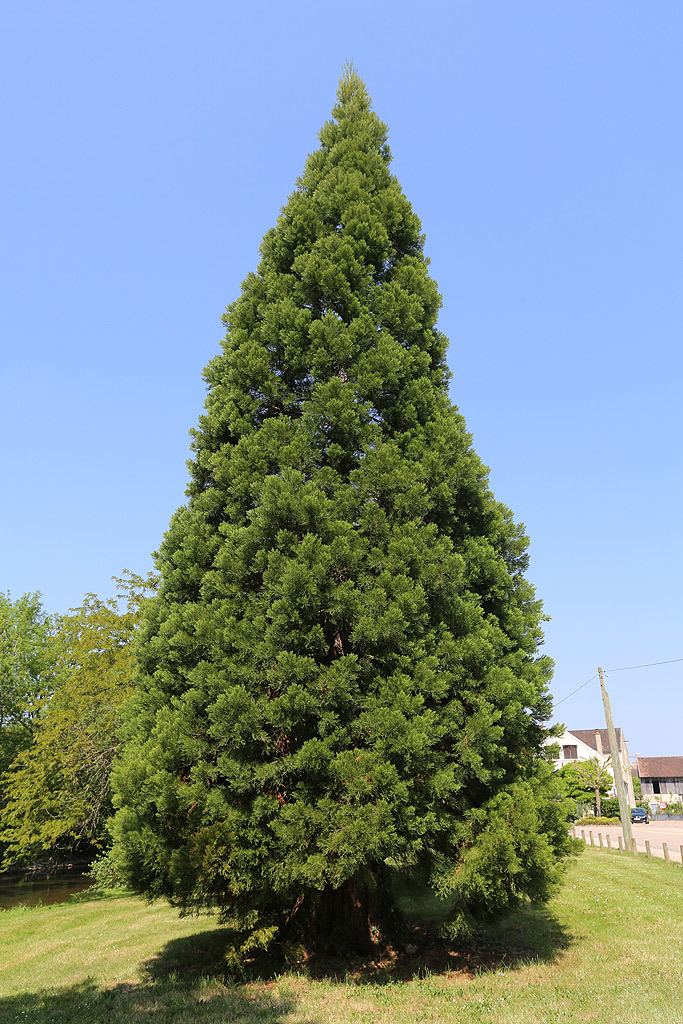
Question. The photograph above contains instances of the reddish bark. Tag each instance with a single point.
(350, 919)
(338, 921)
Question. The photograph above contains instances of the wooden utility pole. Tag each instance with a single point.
(624, 809)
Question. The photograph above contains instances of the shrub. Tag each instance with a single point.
(104, 874)
(610, 807)
(592, 820)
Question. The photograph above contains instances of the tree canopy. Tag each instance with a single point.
(340, 681)
(588, 780)
(26, 668)
(56, 788)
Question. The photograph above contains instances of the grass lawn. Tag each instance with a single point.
(609, 949)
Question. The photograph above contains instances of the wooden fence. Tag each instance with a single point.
(596, 841)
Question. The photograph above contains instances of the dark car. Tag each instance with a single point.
(639, 815)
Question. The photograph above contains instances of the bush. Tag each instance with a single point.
(592, 820)
(103, 872)
(609, 806)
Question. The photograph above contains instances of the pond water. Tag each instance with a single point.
(34, 888)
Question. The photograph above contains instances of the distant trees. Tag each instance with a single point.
(26, 669)
(588, 780)
(55, 787)
(637, 788)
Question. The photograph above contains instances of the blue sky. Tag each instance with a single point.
(149, 146)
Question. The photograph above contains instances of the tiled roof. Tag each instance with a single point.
(660, 767)
(588, 736)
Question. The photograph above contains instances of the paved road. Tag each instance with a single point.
(657, 832)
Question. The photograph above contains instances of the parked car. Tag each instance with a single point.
(639, 815)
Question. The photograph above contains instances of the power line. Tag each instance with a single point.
(557, 703)
(649, 665)
(626, 668)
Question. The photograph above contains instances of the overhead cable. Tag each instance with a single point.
(650, 664)
(626, 668)
(557, 703)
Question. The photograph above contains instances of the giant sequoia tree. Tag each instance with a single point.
(340, 683)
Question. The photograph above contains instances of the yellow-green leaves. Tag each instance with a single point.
(57, 788)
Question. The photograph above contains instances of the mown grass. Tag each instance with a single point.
(609, 948)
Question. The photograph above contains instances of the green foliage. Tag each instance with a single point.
(103, 872)
(610, 807)
(56, 789)
(587, 779)
(340, 677)
(592, 819)
(26, 668)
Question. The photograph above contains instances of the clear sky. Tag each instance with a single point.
(147, 148)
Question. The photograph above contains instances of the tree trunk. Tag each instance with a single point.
(338, 921)
(350, 919)
(598, 805)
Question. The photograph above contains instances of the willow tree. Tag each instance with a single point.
(340, 684)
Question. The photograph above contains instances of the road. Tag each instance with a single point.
(657, 832)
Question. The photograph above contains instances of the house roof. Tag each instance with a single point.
(660, 767)
(587, 736)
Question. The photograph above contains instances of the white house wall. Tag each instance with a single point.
(584, 752)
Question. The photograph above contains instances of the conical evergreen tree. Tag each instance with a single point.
(340, 682)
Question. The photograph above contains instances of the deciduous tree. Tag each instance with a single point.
(592, 777)
(56, 789)
(26, 668)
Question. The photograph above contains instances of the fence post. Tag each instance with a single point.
(665, 847)
(609, 843)
(591, 835)
(621, 845)
(634, 848)
(583, 834)
(600, 838)
(647, 848)
(681, 853)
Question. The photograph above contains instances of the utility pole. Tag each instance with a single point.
(624, 809)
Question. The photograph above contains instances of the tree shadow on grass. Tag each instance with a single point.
(532, 934)
(207, 1002)
(187, 981)
(192, 957)
(94, 894)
